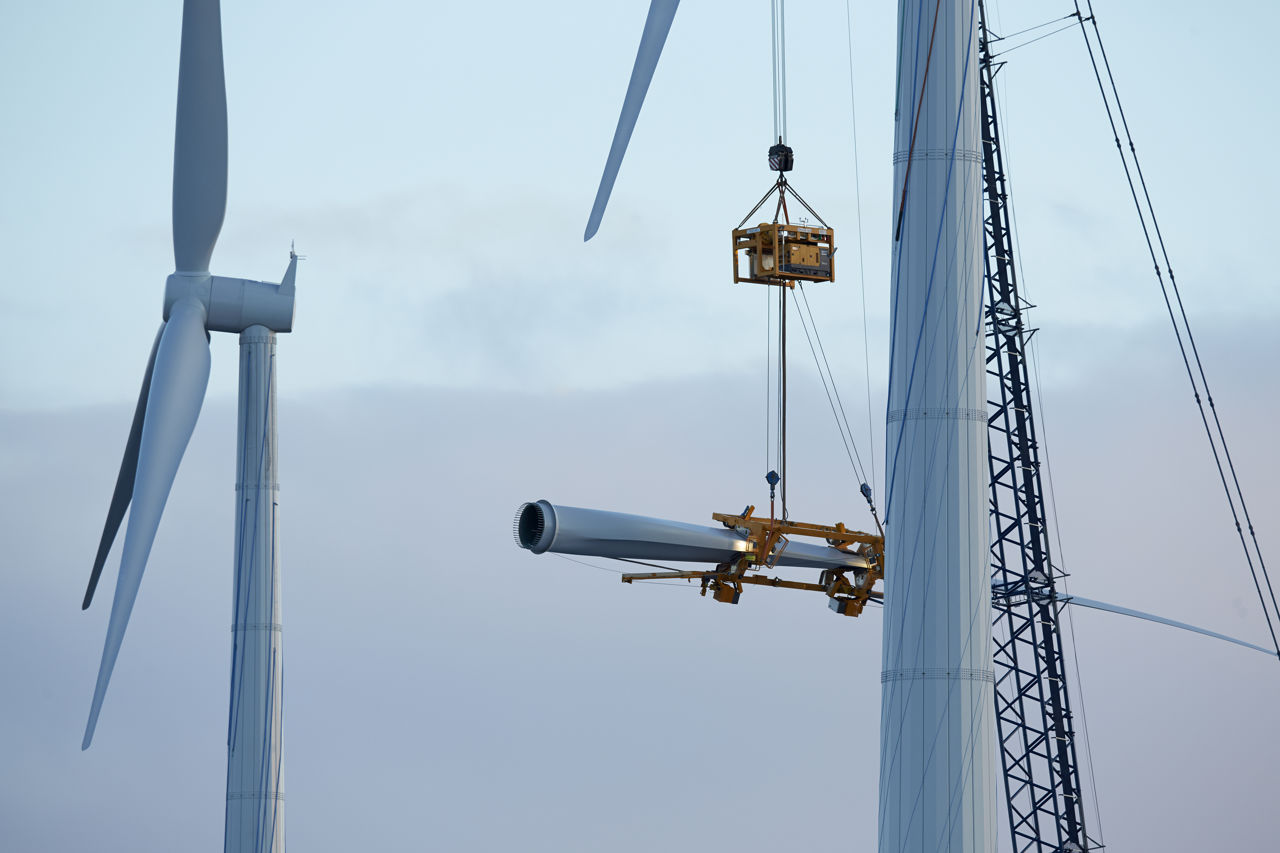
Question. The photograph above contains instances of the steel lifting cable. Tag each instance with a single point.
(822, 350)
(1061, 29)
(782, 400)
(778, 16)
(778, 11)
(1173, 318)
(1182, 309)
(768, 379)
(619, 571)
(842, 420)
(840, 427)
(782, 63)
(862, 271)
(994, 39)
(768, 329)
(775, 408)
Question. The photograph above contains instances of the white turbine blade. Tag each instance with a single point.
(656, 27)
(200, 141)
(541, 527)
(1151, 617)
(178, 382)
(124, 480)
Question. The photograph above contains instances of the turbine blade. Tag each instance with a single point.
(200, 140)
(124, 480)
(1161, 620)
(656, 27)
(178, 382)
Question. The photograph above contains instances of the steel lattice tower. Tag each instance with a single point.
(1033, 714)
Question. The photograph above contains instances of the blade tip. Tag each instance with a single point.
(90, 727)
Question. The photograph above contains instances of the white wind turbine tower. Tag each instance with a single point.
(173, 389)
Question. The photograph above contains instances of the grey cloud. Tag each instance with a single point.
(446, 689)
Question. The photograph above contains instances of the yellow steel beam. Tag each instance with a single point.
(763, 534)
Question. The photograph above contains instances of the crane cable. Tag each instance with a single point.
(782, 399)
(816, 348)
(993, 39)
(862, 269)
(829, 385)
(1143, 213)
(1061, 29)
(778, 10)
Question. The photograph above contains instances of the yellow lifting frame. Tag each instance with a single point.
(764, 535)
(779, 253)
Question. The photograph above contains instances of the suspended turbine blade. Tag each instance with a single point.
(124, 480)
(178, 382)
(200, 141)
(656, 27)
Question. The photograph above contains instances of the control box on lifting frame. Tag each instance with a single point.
(782, 254)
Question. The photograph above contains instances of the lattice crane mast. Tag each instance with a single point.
(1033, 712)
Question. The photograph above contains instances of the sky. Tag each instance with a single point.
(458, 350)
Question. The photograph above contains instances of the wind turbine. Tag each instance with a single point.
(173, 388)
(937, 781)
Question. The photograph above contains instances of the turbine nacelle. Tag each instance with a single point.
(235, 304)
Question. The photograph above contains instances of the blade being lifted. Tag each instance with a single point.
(124, 480)
(179, 378)
(656, 27)
(200, 139)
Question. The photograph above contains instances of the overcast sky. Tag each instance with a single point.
(459, 350)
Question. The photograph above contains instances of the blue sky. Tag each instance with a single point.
(458, 350)
(384, 140)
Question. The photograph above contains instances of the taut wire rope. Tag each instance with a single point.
(1143, 214)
